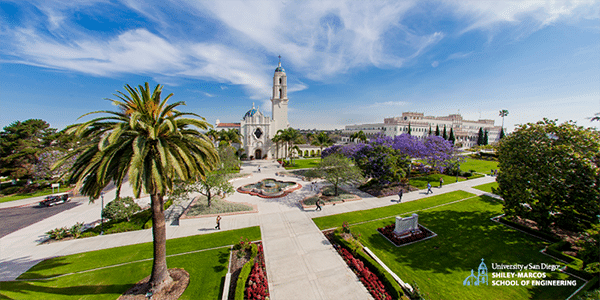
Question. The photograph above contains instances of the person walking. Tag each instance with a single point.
(400, 192)
(429, 188)
(441, 182)
(218, 223)
(318, 205)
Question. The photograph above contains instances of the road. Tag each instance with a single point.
(17, 218)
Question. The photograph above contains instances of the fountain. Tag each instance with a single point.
(269, 188)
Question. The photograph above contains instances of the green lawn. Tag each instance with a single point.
(421, 181)
(207, 269)
(487, 187)
(303, 163)
(388, 211)
(481, 166)
(465, 236)
(44, 192)
(217, 206)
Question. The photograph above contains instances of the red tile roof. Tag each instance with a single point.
(228, 125)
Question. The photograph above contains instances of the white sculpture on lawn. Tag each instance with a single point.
(407, 225)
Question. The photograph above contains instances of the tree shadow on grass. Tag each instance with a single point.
(464, 238)
(35, 271)
(25, 288)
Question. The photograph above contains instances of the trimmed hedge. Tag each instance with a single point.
(391, 286)
(243, 277)
(539, 234)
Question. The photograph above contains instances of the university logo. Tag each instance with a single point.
(480, 279)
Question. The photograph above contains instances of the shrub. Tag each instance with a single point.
(242, 278)
(75, 230)
(120, 208)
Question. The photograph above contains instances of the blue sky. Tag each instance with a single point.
(348, 62)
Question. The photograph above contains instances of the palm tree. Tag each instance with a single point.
(213, 135)
(277, 139)
(152, 143)
(503, 113)
(322, 140)
(229, 136)
(361, 136)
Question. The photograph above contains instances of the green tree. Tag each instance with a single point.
(20, 145)
(502, 135)
(480, 137)
(437, 130)
(152, 143)
(322, 140)
(485, 137)
(409, 129)
(360, 136)
(451, 138)
(213, 184)
(445, 134)
(337, 169)
(230, 161)
(230, 136)
(120, 208)
(503, 113)
(429, 133)
(550, 173)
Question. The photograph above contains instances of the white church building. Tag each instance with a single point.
(256, 129)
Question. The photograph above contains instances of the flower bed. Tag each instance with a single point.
(257, 286)
(388, 233)
(368, 278)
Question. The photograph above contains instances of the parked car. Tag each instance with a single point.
(55, 199)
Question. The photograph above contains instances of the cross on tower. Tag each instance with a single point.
(279, 58)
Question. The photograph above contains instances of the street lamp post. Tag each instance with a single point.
(102, 214)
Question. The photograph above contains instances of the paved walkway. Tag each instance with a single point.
(301, 263)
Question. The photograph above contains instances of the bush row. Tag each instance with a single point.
(539, 234)
(391, 286)
(257, 287)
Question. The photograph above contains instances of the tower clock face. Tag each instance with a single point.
(258, 133)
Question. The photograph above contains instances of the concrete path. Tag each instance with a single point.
(301, 263)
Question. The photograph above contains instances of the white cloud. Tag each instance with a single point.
(389, 103)
(435, 64)
(487, 14)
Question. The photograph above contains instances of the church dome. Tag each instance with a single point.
(279, 68)
(251, 112)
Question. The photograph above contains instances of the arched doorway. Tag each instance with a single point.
(257, 154)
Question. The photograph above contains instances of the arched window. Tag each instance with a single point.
(280, 94)
(279, 81)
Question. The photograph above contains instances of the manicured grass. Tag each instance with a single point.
(304, 163)
(421, 181)
(44, 192)
(487, 187)
(479, 165)
(107, 257)
(217, 205)
(388, 211)
(207, 269)
(465, 236)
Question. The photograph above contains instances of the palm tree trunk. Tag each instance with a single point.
(160, 275)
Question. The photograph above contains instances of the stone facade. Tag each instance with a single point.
(465, 131)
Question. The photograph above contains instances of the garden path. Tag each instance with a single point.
(300, 261)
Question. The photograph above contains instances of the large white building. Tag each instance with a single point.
(466, 132)
(256, 129)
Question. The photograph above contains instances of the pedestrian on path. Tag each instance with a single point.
(318, 205)
(400, 192)
(218, 223)
(441, 182)
(429, 188)
(258, 169)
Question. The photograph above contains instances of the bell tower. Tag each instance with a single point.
(279, 100)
